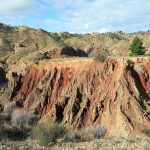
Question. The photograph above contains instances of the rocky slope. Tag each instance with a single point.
(116, 43)
(84, 92)
(31, 44)
(35, 44)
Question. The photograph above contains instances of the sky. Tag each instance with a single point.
(78, 16)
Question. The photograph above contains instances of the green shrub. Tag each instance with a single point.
(146, 132)
(48, 132)
(116, 36)
(136, 47)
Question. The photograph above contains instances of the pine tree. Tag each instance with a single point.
(136, 47)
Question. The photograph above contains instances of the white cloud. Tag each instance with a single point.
(101, 15)
(66, 3)
(15, 6)
(78, 15)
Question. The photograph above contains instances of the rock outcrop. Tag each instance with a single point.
(84, 92)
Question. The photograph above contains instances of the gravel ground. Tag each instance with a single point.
(100, 144)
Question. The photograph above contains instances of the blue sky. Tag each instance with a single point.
(80, 16)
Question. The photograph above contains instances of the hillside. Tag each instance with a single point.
(33, 44)
(116, 43)
(55, 77)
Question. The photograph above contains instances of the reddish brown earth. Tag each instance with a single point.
(84, 92)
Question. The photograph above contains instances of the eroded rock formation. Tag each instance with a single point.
(84, 92)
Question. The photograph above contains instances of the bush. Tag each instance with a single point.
(14, 133)
(147, 147)
(86, 134)
(48, 132)
(90, 133)
(146, 132)
(2, 133)
(3, 119)
(99, 132)
(72, 136)
(18, 126)
(136, 47)
(9, 108)
(21, 119)
(116, 36)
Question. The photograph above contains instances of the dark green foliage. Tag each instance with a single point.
(146, 132)
(14, 133)
(116, 36)
(136, 47)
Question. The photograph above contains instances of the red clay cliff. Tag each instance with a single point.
(84, 92)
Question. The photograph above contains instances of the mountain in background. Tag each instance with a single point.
(34, 44)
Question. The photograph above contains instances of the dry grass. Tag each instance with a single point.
(23, 119)
(47, 132)
(86, 134)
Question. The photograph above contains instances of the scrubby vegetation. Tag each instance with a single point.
(22, 119)
(86, 134)
(114, 35)
(48, 132)
(101, 58)
(9, 108)
(14, 134)
(146, 132)
(16, 123)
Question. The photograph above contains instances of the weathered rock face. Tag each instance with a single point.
(85, 92)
